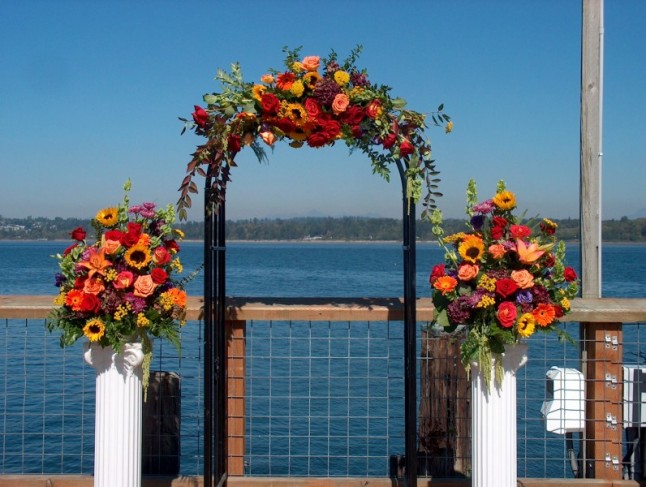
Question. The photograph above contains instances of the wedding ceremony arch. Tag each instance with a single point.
(315, 102)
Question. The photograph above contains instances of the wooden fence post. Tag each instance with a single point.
(236, 332)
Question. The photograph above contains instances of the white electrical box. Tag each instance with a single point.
(634, 396)
(564, 407)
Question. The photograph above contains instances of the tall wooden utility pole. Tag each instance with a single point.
(601, 343)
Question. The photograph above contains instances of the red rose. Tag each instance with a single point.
(374, 109)
(353, 115)
(233, 143)
(318, 139)
(332, 128)
(506, 287)
(200, 116)
(114, 235)
(558, 311)
(78, 234)
(357, 132)
(438, 271)
(406, 148)
(161, 256)
(270, 104)
(550, 260)
(506, 314)
(520, 231)
(159, 275)
(389, 141)
(569, 274)
(498, 225)
(79, 282)
(312, 108)
(285, 125)
(171, 246)
(90, 303)
(132, 236)
(134, 228)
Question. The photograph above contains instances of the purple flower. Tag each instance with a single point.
(138, 304)
(477, 221)
(136, 209)
(484, 207)
(359, 79)
(60, 279)
(459, 311)
(524, 297)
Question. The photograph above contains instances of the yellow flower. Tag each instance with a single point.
(341, 78)
(297, 88)
(565, 304)
(108, 217)
(94, 329)
(176, 265)
(179, 233)
(486, 302)
(505, 200)
(297, 67)
(142, 321)
(526, 325)
(310, 79)
(471, 249)
(137, 256)
(60, 299)
(257, 91)
(449, 128)
(487, 283)
(296, 113)
(456, 237)
(111, 275)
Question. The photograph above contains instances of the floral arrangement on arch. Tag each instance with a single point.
(313, 102)
(120, 288)
(502, 280)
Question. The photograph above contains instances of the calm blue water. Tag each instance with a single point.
(325, 388)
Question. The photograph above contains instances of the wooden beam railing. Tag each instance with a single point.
(603, 368)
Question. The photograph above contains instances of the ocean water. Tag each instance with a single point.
(305, 441)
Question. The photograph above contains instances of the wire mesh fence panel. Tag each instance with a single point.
(47, 401)
(323, 398)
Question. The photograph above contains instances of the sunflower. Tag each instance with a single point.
(310, 79)
(108, 217)
(137, 256)
(257, 91)
(94, 329)
(505, 200)
(296, 113)
(526, 325)
(471, 249)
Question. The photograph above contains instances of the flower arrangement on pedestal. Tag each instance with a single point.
(502, 279)
(119, 288)
(313, 102)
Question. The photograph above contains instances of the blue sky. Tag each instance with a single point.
(91, 92)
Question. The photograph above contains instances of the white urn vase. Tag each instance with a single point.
(117, 434)
(493, 422)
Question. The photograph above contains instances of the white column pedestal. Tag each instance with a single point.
(494, 423)
(117, 441)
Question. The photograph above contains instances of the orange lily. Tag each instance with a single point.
(96, 262)
(528, 254)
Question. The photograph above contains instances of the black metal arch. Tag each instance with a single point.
(215, 357)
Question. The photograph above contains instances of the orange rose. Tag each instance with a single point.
(497, 251)
(93, 285)
(374, 109)
(267, 78)
(268, 138)
(110, 246)
(340, 103)
(466, 272)
(523, 279)
(124, 280)
(311, 63)
(144, 286)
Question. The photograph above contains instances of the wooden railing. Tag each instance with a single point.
(601, 319)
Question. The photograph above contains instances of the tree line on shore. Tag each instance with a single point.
(310, 228)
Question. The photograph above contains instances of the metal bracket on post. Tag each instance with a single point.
(410, 332)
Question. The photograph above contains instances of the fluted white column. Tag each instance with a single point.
(117, 435)
(494, 423)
